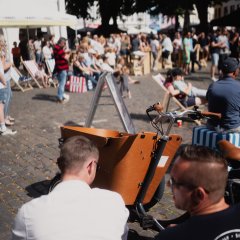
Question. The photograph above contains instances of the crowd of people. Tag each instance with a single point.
(94, 54)
(73, 210)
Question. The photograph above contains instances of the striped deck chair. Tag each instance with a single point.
(22, 82)
(209, 138)
(50, 63)
(32, 68)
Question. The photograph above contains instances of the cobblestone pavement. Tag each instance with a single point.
(28, 159)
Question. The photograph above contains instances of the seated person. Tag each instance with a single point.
(185, 93)
(198, 179)
(41, 75)
(80, 69)
(224, 97)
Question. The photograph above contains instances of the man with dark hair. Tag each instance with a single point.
(61, 56)
(73, 210)
(194, 95)
(224, 97)
(198, 180)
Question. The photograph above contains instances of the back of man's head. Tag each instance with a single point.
(61, 40)
(230, 65)
(207, 169)
(176, 72)
(75, 152)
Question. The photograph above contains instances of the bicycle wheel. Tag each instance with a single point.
(157, 195)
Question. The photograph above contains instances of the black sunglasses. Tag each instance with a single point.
(174, 183)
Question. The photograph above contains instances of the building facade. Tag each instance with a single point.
(226, 8)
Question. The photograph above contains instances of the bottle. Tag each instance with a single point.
(89, 85)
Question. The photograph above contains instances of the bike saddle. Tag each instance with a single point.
(230, 152)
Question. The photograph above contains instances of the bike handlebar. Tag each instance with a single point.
(194, 114)
(212, 115)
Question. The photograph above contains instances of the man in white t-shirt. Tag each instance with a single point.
(38, 49)
(73, 210)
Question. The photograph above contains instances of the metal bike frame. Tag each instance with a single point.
(161, 144)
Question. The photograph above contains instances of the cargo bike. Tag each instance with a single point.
(134, 165)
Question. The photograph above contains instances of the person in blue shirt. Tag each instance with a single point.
(224, 97)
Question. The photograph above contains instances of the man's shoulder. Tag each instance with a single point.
(177, 232)
(107, 194)
(34, 204)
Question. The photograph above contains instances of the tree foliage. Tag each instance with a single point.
(113, 8)
(79, 8)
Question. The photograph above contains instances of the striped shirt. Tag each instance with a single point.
(60, 62)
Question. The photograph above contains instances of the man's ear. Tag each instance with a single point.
(90, 168)
(198, 195)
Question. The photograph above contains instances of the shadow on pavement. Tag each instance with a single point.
(72, 123)
(45, 97)
(133, 235)
(38, 189)
(143, 117)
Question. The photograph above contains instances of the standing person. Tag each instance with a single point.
(125, 47)
(177, 49)
(47, 51)
(31, 50)
(38, 49)
(167, 49)
(187, 44)
(23, 45)
(154, 45)
(16, 53)
(3, 84)
(193, 55)
(215, 46)
(234, 45)
(61, 55)
(204, 43)
(73, 210)
(52, 42)
(46, 54)
(198, 180)
(9, 121)
(225, 47)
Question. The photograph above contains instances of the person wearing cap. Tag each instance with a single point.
(224, 97)
(185, 92)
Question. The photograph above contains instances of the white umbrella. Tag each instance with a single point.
(147, 30)
(132, 30)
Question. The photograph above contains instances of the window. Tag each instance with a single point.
(225, 11)
(232, 8)
(219, 12)
(216, 13)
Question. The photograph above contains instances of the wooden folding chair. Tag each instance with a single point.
(50, 63)
(168, 97)
(32, 68)
(21, 82)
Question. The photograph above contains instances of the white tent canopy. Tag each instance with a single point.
(30, 13)
(133, 30)
(17, 14)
